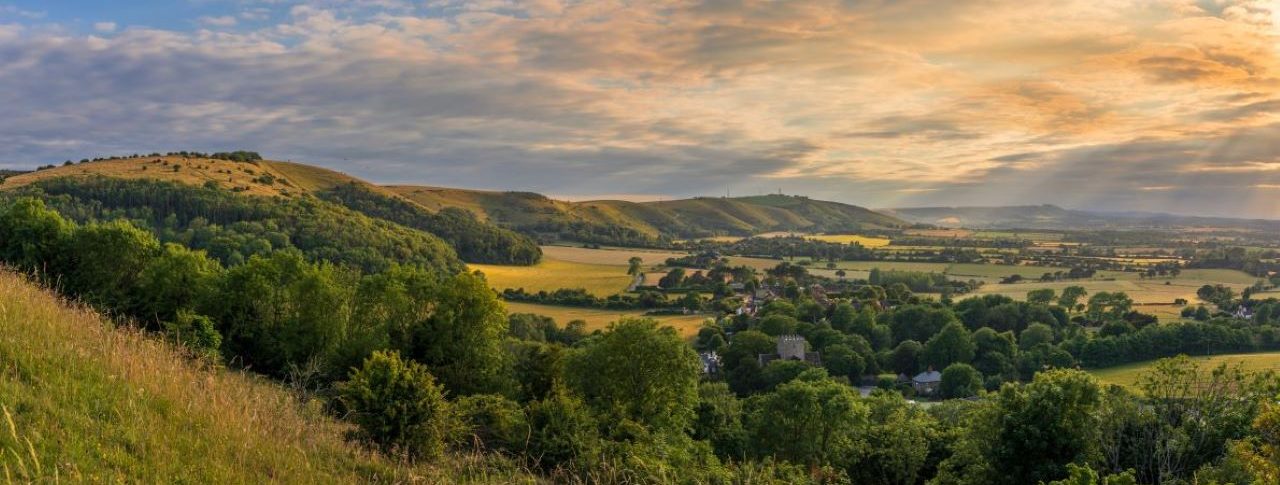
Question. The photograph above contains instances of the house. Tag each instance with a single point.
(710, 362)
(791, 347)
(926, 382)
(1243, 312)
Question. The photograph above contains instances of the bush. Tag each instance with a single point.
(398, 405)
(494, 422)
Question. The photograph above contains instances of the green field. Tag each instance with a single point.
(1130, 374)
(597, 319)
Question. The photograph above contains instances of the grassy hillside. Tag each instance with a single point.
(90, 402)
(289, 184)
(615, 221)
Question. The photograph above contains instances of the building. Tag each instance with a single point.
(791, 347)
(926, 382)
(710, 362)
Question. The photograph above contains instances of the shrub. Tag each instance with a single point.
(398, 405)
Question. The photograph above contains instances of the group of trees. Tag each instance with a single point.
(475, 241)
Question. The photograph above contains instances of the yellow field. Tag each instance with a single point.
(610, 256)
(687, 325)
(865, 241)
(1129, 375)
(553, 274)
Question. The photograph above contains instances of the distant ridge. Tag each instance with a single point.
(1049, 216)
(623, 222)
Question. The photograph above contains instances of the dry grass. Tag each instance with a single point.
(596, 319)
(94, 403)
(865, 241)
(609, 256)
(290, 178)
(552, 274)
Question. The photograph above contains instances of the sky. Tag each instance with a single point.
(1156, 105)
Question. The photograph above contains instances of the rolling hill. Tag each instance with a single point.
(85, 401)
(624, 222)
(481, 226)
(334, 216)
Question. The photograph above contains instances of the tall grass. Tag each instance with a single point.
(85, 400)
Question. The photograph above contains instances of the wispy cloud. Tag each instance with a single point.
(882, 103)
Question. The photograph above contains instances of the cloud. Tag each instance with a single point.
(880, 103)
(105, 27)
(218, 21)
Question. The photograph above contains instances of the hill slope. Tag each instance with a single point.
(93, 403)
(620, 222)
(260, 183)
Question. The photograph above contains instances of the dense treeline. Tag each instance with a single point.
(475, 241)
(233, 228)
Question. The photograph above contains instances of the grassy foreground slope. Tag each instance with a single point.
(90, 402)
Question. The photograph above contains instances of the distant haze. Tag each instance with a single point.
(1167, 105)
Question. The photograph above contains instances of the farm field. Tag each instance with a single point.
(1153, 296)
(598, 319)
(1130, 374)
(608, 256)
(865, 241)
(553, 274)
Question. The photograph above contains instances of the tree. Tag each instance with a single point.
(775, 325)
(32, 236)
(1043, 426)
(1042, 296)
(639, 372)
(840, 360)
(810, 421)
(107, 262)
(952, 344)
(280, 311)
(1035, 334)
(456, 328)
(634, 265)
(398, 405)
(1261, 453)
(960, 380)
(1107, 305)
(906, 357)
(1071, 296)
(177, 280)
(719, 420)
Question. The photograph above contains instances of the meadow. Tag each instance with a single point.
(608, 256)
(1130, 375)
(552, 274)
(865, 241)
(598, 319)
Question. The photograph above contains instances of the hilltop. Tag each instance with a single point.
(622, 222)
(327, 214)
(95, 403)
